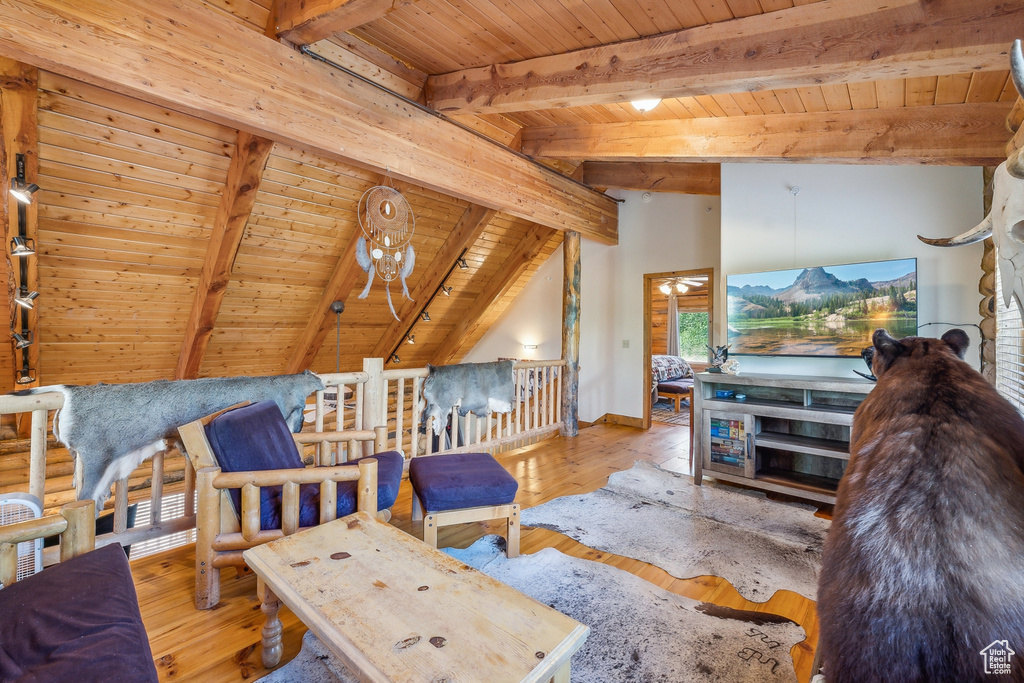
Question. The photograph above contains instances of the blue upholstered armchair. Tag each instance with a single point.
(253, 487)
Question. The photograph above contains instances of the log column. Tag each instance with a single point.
(570, 332)
(19, 138)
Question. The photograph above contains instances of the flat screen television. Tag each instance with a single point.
(827, 311)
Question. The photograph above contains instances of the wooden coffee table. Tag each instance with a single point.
(394, 609)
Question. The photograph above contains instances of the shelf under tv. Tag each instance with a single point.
(798, 438)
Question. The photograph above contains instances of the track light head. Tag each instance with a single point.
(462, 262)
(447, 291)
(23, 191)
(22, 246)
(395, 358)
(26, 299)
(426, 317)
(411, 339)
(22, 341)
(25, 376)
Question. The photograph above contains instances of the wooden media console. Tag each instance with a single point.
(784, 433)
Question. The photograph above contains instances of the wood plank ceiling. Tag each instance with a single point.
(133, 208)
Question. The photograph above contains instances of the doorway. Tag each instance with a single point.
(679, 303)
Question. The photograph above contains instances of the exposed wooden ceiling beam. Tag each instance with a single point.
(824, 42)
(466, 231)
(160, 51)
(19, 134)
(236, 201)
(964, 134)
(514, 266)
(659, 177)
(302, 22)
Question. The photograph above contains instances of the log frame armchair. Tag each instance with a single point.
(222, 532)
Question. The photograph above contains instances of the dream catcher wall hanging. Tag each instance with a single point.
(385, 246)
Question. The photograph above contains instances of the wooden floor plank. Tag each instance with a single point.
(223, 644)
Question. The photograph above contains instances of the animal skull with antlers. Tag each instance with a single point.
(1005, 221)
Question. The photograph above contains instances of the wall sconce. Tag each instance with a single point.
(22, 246)
(22, 341)
(529, 347)
(411, 339)
(425, 316)
(26, 299)
(447, 291)
(462, 262)
(23, 191)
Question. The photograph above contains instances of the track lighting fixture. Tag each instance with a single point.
(462, 262)
(425, 316)
(26, 376)
(23, 191)
(22, 246)
(395, 358)
(26, 299)
(411, 339)
(447, 291)
(22, 341)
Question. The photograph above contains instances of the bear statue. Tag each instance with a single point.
(922, 577)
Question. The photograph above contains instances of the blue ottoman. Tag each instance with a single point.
(454, 488)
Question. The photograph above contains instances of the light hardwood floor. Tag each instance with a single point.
(223, 644)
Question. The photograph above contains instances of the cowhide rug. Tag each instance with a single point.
(650, 514)
(639, 632)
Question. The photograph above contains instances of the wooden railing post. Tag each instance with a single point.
(374, 399)
(37, 462)
(570, 332)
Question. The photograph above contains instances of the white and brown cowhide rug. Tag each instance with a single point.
(639, 632)
(650, 514)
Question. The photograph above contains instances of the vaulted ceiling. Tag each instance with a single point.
(201, 161)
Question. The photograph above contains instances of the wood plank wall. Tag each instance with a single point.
(129, 192)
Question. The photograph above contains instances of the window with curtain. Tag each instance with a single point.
(693, 336)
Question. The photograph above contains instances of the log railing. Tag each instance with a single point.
(351, 401)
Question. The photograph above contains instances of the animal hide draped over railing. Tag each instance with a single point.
(112, 428)
(478, 388)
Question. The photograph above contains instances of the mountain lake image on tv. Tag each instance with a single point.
(821, 311)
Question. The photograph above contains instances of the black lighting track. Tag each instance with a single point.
(433, 296)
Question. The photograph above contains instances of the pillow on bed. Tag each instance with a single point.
(669, 367)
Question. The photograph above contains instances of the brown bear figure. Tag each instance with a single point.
(922, 577)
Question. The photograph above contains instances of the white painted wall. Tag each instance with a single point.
(848, 214)
(671, 232)
(843, 214)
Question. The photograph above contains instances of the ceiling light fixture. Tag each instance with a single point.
(681, 288)
(26, 299)
(665, 288)
(22, 246)
(644, 106)
(23, 191)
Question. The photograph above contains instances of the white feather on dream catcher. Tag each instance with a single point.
(388, 226)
